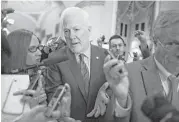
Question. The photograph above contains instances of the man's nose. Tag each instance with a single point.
(38, 52)
(72, 34)
(118, 47)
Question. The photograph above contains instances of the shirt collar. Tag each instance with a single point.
(162, 71)
(87, 52)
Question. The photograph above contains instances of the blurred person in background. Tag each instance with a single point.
(117, 46)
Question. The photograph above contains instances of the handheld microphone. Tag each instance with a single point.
(7, 10)
(60, 57)
(157, 107)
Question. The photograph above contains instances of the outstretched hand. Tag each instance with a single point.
(101, 102)
(117, 77)
(33, 97)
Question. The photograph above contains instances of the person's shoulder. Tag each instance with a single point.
(100, 49)
(137, 65)
(134, 63)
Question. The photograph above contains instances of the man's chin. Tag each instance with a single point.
(75, 50)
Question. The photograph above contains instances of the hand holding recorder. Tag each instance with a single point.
(117, 77)
(60, 104)
(101, 102)
(35, 94)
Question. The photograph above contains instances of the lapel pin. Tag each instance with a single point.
(97, 57)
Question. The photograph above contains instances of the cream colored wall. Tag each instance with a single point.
(22, 21)
(101, 20)
(101, 17)
(168, 5)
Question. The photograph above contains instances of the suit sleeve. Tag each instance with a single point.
(52, 80)
(120, 111)
(111, 112)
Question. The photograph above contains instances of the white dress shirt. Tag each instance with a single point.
(87, 58)
(164, 74)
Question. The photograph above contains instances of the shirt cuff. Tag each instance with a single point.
(120, 111)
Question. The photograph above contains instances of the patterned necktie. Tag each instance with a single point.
(84, 72)
(173, 95)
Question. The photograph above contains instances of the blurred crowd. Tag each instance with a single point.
(101, 85)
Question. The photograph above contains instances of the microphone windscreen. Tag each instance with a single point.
(7, 10)
(56, 57)
(156, 107)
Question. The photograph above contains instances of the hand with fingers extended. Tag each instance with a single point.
(101, 102)
(62, 110)
(117, 77)
(33, 97)
(141, 36)
(36, 114)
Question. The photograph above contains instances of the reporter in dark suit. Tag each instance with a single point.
(158, 72)
(83, 71)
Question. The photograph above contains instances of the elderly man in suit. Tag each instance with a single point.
(156, 74)
(83, 71)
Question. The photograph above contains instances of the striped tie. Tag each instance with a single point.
(84, 72)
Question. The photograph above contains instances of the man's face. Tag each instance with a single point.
(77, 33)
(33, 57)
(117, 47)
(170, 48)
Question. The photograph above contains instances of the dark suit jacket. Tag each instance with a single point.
(144, 81)
(69, 72)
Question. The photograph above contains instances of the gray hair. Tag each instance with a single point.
(164, 20)
(71, 11)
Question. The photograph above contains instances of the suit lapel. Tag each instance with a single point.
(96, 77)
(150, 77)
(94, 68)
(73, 65)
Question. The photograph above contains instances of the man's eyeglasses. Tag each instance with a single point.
(33, 49)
